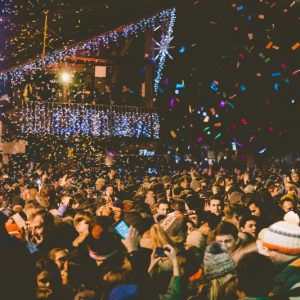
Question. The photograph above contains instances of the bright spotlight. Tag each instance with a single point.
(66, 77)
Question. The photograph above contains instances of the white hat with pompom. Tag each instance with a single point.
(284, 236)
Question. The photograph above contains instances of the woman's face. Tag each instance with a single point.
(255, 210)
(118, 213)
(43, 280)
(60, 258)
(106, 212)
(82, 227)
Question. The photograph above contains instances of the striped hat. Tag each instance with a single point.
(284, 236)
(217, 262)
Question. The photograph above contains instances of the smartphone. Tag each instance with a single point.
(160, 252)
(122, 229)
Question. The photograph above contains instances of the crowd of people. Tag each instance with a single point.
(107, 94)
(198, 233)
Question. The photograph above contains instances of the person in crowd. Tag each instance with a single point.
(287, 204)
(106, 96)
(162, 210)
(17, 275)
(215, 205)
(248, 225)
(255, 274)
(227, 235)
(295, 179)
(219, 274)
(281, 243)
(59, 256)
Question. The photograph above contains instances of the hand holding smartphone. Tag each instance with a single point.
(122, 229)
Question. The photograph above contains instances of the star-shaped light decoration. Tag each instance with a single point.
(163, 46)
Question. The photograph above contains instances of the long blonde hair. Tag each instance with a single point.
(158, 237)
(218, 288)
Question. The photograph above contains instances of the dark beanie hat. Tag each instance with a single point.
(105, 244)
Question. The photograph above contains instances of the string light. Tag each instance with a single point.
(165, 17)
(43, 118)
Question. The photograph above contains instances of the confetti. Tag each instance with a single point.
(295, 72)
(172, 103)
(214, 85)
(263, 150)
(218, 136)
(173, 134)
(222, 104)
(295, 46)
(206, 119)
(244, 121)
(276, 74)
(269, 45)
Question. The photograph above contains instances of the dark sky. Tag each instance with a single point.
(69, 21)
(226, 42)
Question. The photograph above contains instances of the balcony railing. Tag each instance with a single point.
(47, 118)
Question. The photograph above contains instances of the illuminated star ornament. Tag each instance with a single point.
(164, 46)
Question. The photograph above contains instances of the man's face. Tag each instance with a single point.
(215, 207)
(255, 211)
(250, 227)
(227, 241)
(287, 206)
(295, 177)
(37, 227)
(109, 191)
(163, 209)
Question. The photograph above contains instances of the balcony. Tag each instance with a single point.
(60, 119)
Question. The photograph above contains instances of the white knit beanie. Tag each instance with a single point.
(284, 236)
